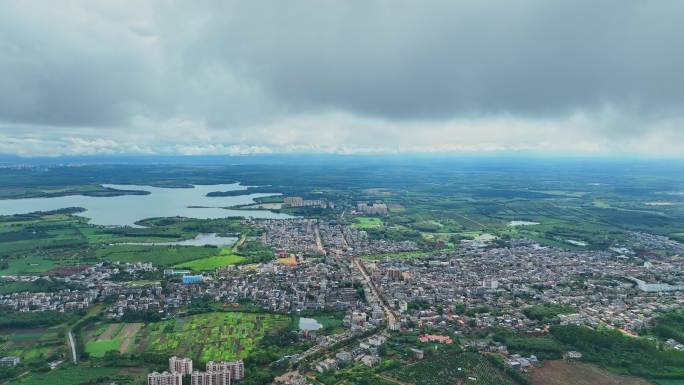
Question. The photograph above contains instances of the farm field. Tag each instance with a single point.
(225, 336)
(559, 372)
(225, 258)
(449, 367)
(32, 344)
(40, 242)
(116, 336)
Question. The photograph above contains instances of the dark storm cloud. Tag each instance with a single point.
(421, 59)
(312, 73)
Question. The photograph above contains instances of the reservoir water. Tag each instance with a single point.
(202, 239)
(309, 324)
(125, 210)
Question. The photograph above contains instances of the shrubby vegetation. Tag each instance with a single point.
(670, 325)
(34, 319)
(614, 350)
(546, 312)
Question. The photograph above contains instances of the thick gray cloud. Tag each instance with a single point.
(231, 77)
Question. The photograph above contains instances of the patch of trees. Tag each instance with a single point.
(546, 312)
(33, 319)
(256, 252)
(623, 354)
(670, 325)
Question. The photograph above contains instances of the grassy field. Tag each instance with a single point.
(367, 222)
(39, 242)
(32, 265)
(223, 336)
(159, 255)
(225, 258)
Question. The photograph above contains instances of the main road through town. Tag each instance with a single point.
(389, 313)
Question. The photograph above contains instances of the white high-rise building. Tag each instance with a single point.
(236, 368)
(210, 377)
(164, 378)
(180, 365)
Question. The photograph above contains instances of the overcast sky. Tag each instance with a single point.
(203, 77)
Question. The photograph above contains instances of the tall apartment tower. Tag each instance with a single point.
(180, 365)
(164, 378)
(236, 368)
(210, 377)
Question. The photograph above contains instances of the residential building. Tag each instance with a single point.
(180, 365)
(164, 378)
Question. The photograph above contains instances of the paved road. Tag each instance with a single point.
(389, 313)
(72, 345)
(319, 244)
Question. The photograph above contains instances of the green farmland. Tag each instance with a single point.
(32, 344)
(224, 258)
(204, 337)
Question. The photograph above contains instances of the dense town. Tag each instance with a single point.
(328, 266)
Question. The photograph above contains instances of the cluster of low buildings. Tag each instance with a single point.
(366, 352)
(316, 237)
(295, 235)
(377, 208)
(301, 202)
(62, 300)
(9, 361)
(498, 283)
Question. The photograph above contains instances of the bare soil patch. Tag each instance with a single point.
(109, 333)
(128, 334)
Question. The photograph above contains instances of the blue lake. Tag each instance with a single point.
(125, 210)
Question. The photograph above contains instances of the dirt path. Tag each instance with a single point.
(319, 244)
(128, 334)
(394, 380)
(109, 333)
(470, 220)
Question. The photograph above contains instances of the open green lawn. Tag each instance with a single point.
(367, 222)
(28, 265)
(158, 255)
(225, 258)
(99, 348)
